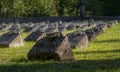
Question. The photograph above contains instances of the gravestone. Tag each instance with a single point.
(51, 30)
(29, 29)
(71, 27)
(97, 31)
(78, 26)
(3, 27)
(91, 23)
(35, 36)
(116, 22)
(110, 24)
(102, 26)
(62, 30)
(54, 46)
(11, 39)
(78, 39)
(91, 35)
(42, 28)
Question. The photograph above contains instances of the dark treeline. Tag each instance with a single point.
(36, 8)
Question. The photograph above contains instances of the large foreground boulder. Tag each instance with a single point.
(78, 39)
(54, 46)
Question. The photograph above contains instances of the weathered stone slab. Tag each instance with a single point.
(109, 25)
(91, 22)
(51, 30)
(11, 40)
(78, 26)
(91, 35)
(78, 39)
(97, 31)
(54, 46)
(35, 36)
(4, 27)
(71, 27)
(42, 28)
(55, 25)
(116, 22)
(62, 30)
(29, 29)
(102, 26)
(83, 26)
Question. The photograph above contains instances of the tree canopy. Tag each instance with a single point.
(36, 8)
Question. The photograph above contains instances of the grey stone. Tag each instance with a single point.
(54, 46)
(83, 26)
(71, 27)
(78, 39)
(102, 26)
(62, 30)
(29, 29)
(51, 30)
(91, 35)
(97, 30)
(35, 36)
(10, 40)
(94, 32)
(91, 22)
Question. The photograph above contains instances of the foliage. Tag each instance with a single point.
(36, 8)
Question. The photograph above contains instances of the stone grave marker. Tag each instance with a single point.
(35, 36)
(11, 39)
(78, 39)
(97, 30)
(110, 24)
(42, 28)
(54, 46)
(30, 27)
(51, 30)
(91, 35)
(71, 27)
(102, 26)
(91, 21)
(62, 30)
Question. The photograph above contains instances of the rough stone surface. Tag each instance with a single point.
(35, 36)
(71, 27)
(97, 31)
(11, 40)
(28, 29)
(102, 26)
(54, 46)
(51, 30)
(78, 39)
(62, 30)
(91, 35)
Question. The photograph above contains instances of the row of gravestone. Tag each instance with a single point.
(30, 27)
(38, 29)
(54, 45)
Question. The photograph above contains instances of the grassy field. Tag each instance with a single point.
(101, 56)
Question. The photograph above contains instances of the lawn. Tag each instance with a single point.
(102, 55)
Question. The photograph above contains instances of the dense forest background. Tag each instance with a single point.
(36, 8)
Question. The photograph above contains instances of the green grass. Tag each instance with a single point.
(101, 56)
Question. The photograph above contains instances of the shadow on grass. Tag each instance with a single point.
(112, 40)
(99, 52)
(74, 66)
